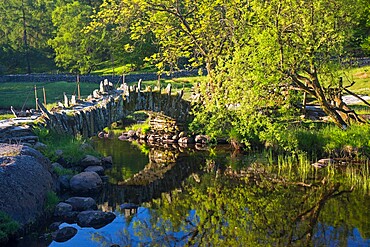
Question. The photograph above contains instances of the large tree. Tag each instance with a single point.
(25, 26)
(74, 49)
(308, 39)
(199, 31)
(290, 45)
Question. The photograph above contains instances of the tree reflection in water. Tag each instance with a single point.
(262, 205)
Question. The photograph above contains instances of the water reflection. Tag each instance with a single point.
(198, 199)
(127, 159)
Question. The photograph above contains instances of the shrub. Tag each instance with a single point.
(70, 145)
(7, 226)
(51, 201)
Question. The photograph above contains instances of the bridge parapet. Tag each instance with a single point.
(92, 115)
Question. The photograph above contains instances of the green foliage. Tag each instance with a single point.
(328, 140)
(74, 50)
(361, 77)
(64, 171)
(71, 146)
(25, 26)
(193, 34)
(51, 201)
(363, 31)
(7, 226)
(144, 127)
(6, 116)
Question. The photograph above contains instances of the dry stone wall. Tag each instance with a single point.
(93, 78)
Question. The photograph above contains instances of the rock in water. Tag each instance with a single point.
(98, 169)
(95, 219)
(82, 203)
(62, 208)
(64, 234)
(90, 160)
(85, 182)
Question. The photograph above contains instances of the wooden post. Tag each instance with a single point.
(78, 87)
(73, 99)
(159, 82)
(37, 106)
(66, 102)
(44, 92)
(139, 85)
(304, 103)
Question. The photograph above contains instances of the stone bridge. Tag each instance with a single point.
(109, 105)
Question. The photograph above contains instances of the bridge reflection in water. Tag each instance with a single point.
(194, 199)
(164, 172)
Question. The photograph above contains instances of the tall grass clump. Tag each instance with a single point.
(359, 176)
(51, 201)
(7, 227)
(356, 139)
(70, 145)
(329, 140)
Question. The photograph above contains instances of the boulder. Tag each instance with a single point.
(58, 152)
(82, 203)
(98, 169)
(56, 165)
(64, 234)
(25, 181)
(131, 134)
(40, 146)
(69, 217)
(86, 147)
(62, 208)
(85, 182)
(202, 139)
(63, 182)
(95, 219)
(186, 140)
(55, 226)
(90, 160)
(107, 161)
(123, 137)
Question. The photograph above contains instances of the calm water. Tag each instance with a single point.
(217, 198)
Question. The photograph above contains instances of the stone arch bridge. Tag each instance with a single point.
(109, 105)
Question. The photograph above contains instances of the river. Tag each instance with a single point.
(217, 197)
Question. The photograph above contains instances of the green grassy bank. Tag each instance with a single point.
(22, 94)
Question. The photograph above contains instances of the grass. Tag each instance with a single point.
(18, 94)
(361, 77)
(299, 169)
(63, 171)
(22, 94)
(71, 146)
(361, 108)
(6, 116)
(105, 68)
(329, 140)
(51, 201)
(7, 226)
